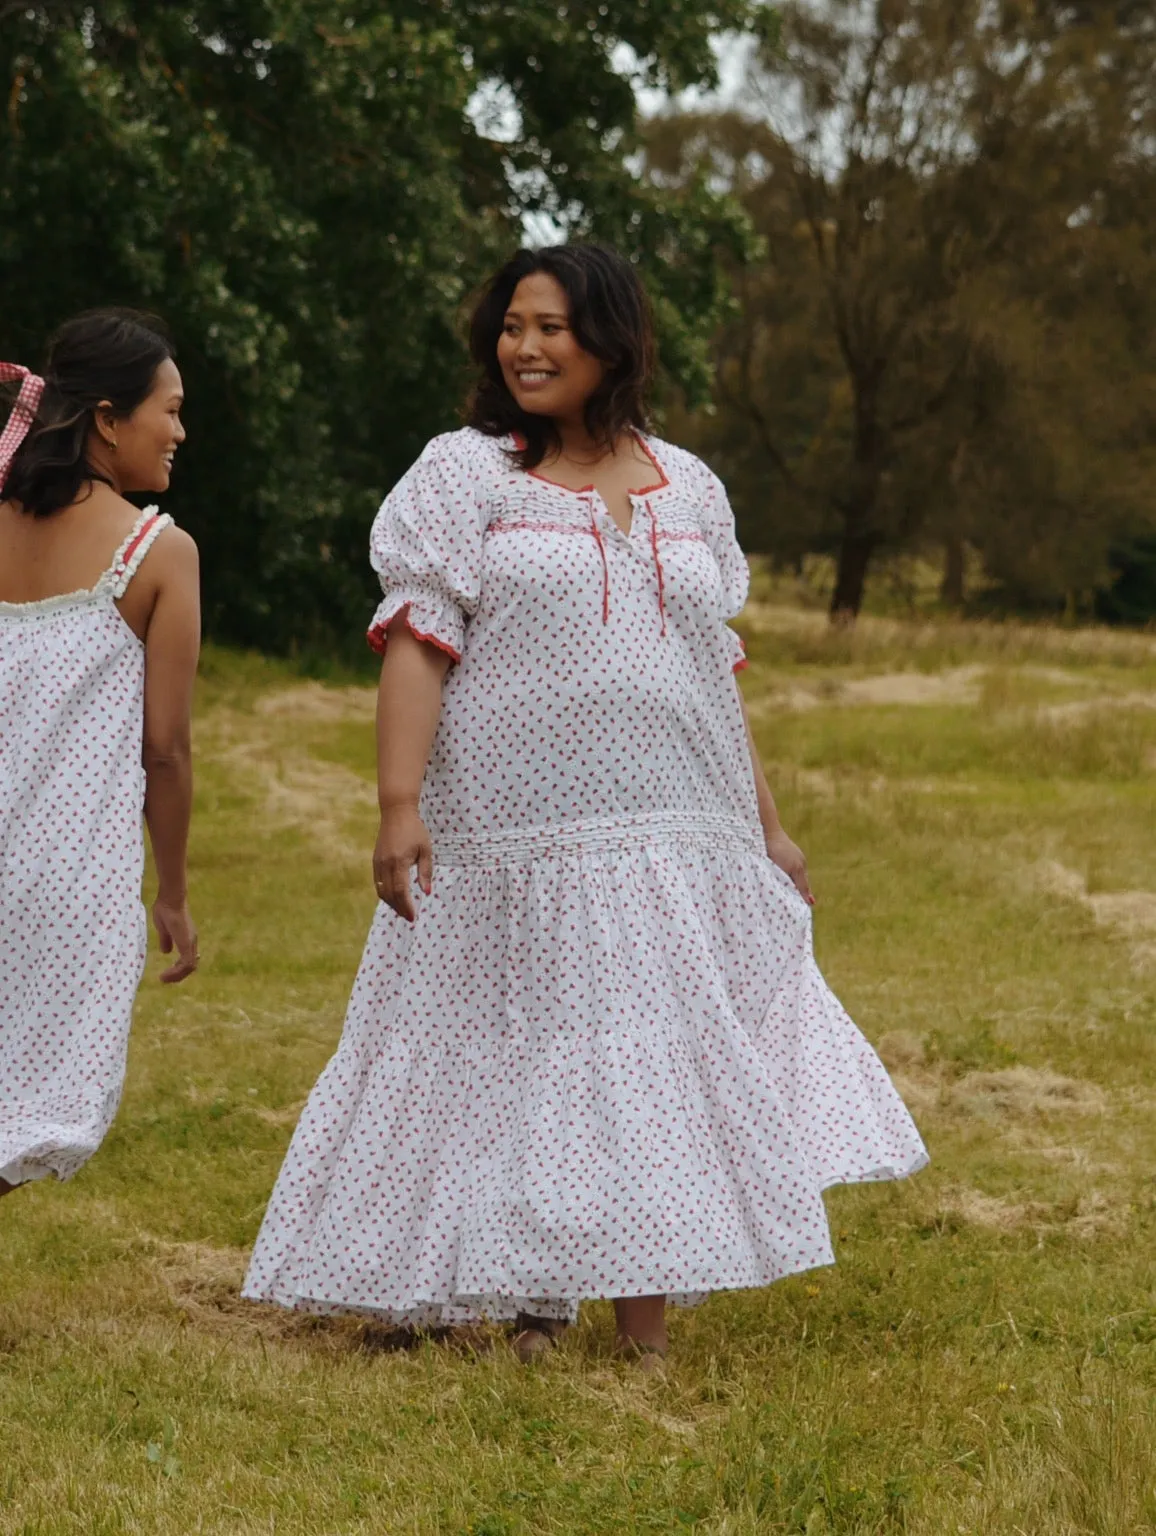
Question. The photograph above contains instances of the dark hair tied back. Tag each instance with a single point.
(103, 355)
(610, 319)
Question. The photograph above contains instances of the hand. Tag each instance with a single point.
(402, 842)
(789, 857)
(176, 930)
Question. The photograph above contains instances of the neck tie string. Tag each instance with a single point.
(657, 566)
(597, 532)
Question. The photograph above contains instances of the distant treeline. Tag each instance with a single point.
(948, 339)
(904, 289)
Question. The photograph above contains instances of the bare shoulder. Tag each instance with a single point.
(176, 549)
(170, 564)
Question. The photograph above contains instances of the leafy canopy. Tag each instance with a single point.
(298, 187)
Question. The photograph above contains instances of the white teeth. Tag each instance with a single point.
(535, 378)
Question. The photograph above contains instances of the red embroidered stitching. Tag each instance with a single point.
(510, 526)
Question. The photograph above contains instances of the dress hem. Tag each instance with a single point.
(502, 1306)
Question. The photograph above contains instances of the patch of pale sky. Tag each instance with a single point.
(494, 112)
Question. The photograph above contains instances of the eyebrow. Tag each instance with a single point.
(542, 314)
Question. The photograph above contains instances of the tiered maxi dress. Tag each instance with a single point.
(72, 927)
(602, 1062)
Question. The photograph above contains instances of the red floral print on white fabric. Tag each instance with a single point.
(72, 927)
(603, 1061)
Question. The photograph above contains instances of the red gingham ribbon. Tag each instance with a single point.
(23, 413)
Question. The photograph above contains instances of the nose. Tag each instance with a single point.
(527, 347)
(180, 433)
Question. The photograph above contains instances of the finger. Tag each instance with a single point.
(803, 885)
(400, 897)
(163, 935)
(425, 868)
(185, 966)
(179, 971)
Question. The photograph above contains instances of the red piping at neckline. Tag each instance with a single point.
(586, 490)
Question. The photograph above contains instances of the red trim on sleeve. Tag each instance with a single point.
(376, 635)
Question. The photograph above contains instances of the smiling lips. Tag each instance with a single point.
(535, 378)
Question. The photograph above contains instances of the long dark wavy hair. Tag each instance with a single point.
(103, 354)
(610, 318)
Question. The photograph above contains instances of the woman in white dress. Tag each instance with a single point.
(588, 1053)
(99, 634)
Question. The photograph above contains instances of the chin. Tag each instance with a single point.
(537, 405)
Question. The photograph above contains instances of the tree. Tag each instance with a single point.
(298, 187)
(956, 243)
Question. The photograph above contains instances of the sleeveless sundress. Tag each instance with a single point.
(603, 1061)
(72, 926)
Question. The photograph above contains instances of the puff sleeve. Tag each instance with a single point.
(734, 573)
(426, 546)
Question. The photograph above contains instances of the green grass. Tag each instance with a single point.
(981, 1360)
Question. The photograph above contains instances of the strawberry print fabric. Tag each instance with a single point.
(72, 927)
(602, 1062)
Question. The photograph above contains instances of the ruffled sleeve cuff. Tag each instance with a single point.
(736, 649)
(429, 615)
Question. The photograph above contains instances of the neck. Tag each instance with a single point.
(103, 462)
(577, 443)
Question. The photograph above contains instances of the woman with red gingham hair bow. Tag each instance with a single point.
(99, 634)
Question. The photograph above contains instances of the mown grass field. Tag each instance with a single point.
(978, 806)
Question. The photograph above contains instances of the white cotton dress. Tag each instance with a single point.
(602, 1062)
(72, 927)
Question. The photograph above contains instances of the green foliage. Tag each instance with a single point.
(298, 187)
(948, 336)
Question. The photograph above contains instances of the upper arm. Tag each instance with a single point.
(172, 643)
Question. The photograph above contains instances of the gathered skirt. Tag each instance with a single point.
(599, 1074)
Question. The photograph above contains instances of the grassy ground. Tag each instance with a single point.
(977, 803)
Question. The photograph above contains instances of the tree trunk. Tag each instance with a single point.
(951, 587)
(851, 575)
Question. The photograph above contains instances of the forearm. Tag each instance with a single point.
(768, 812)
(409, 701)
(168, 809)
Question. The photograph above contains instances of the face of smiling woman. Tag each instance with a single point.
(545, 368)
